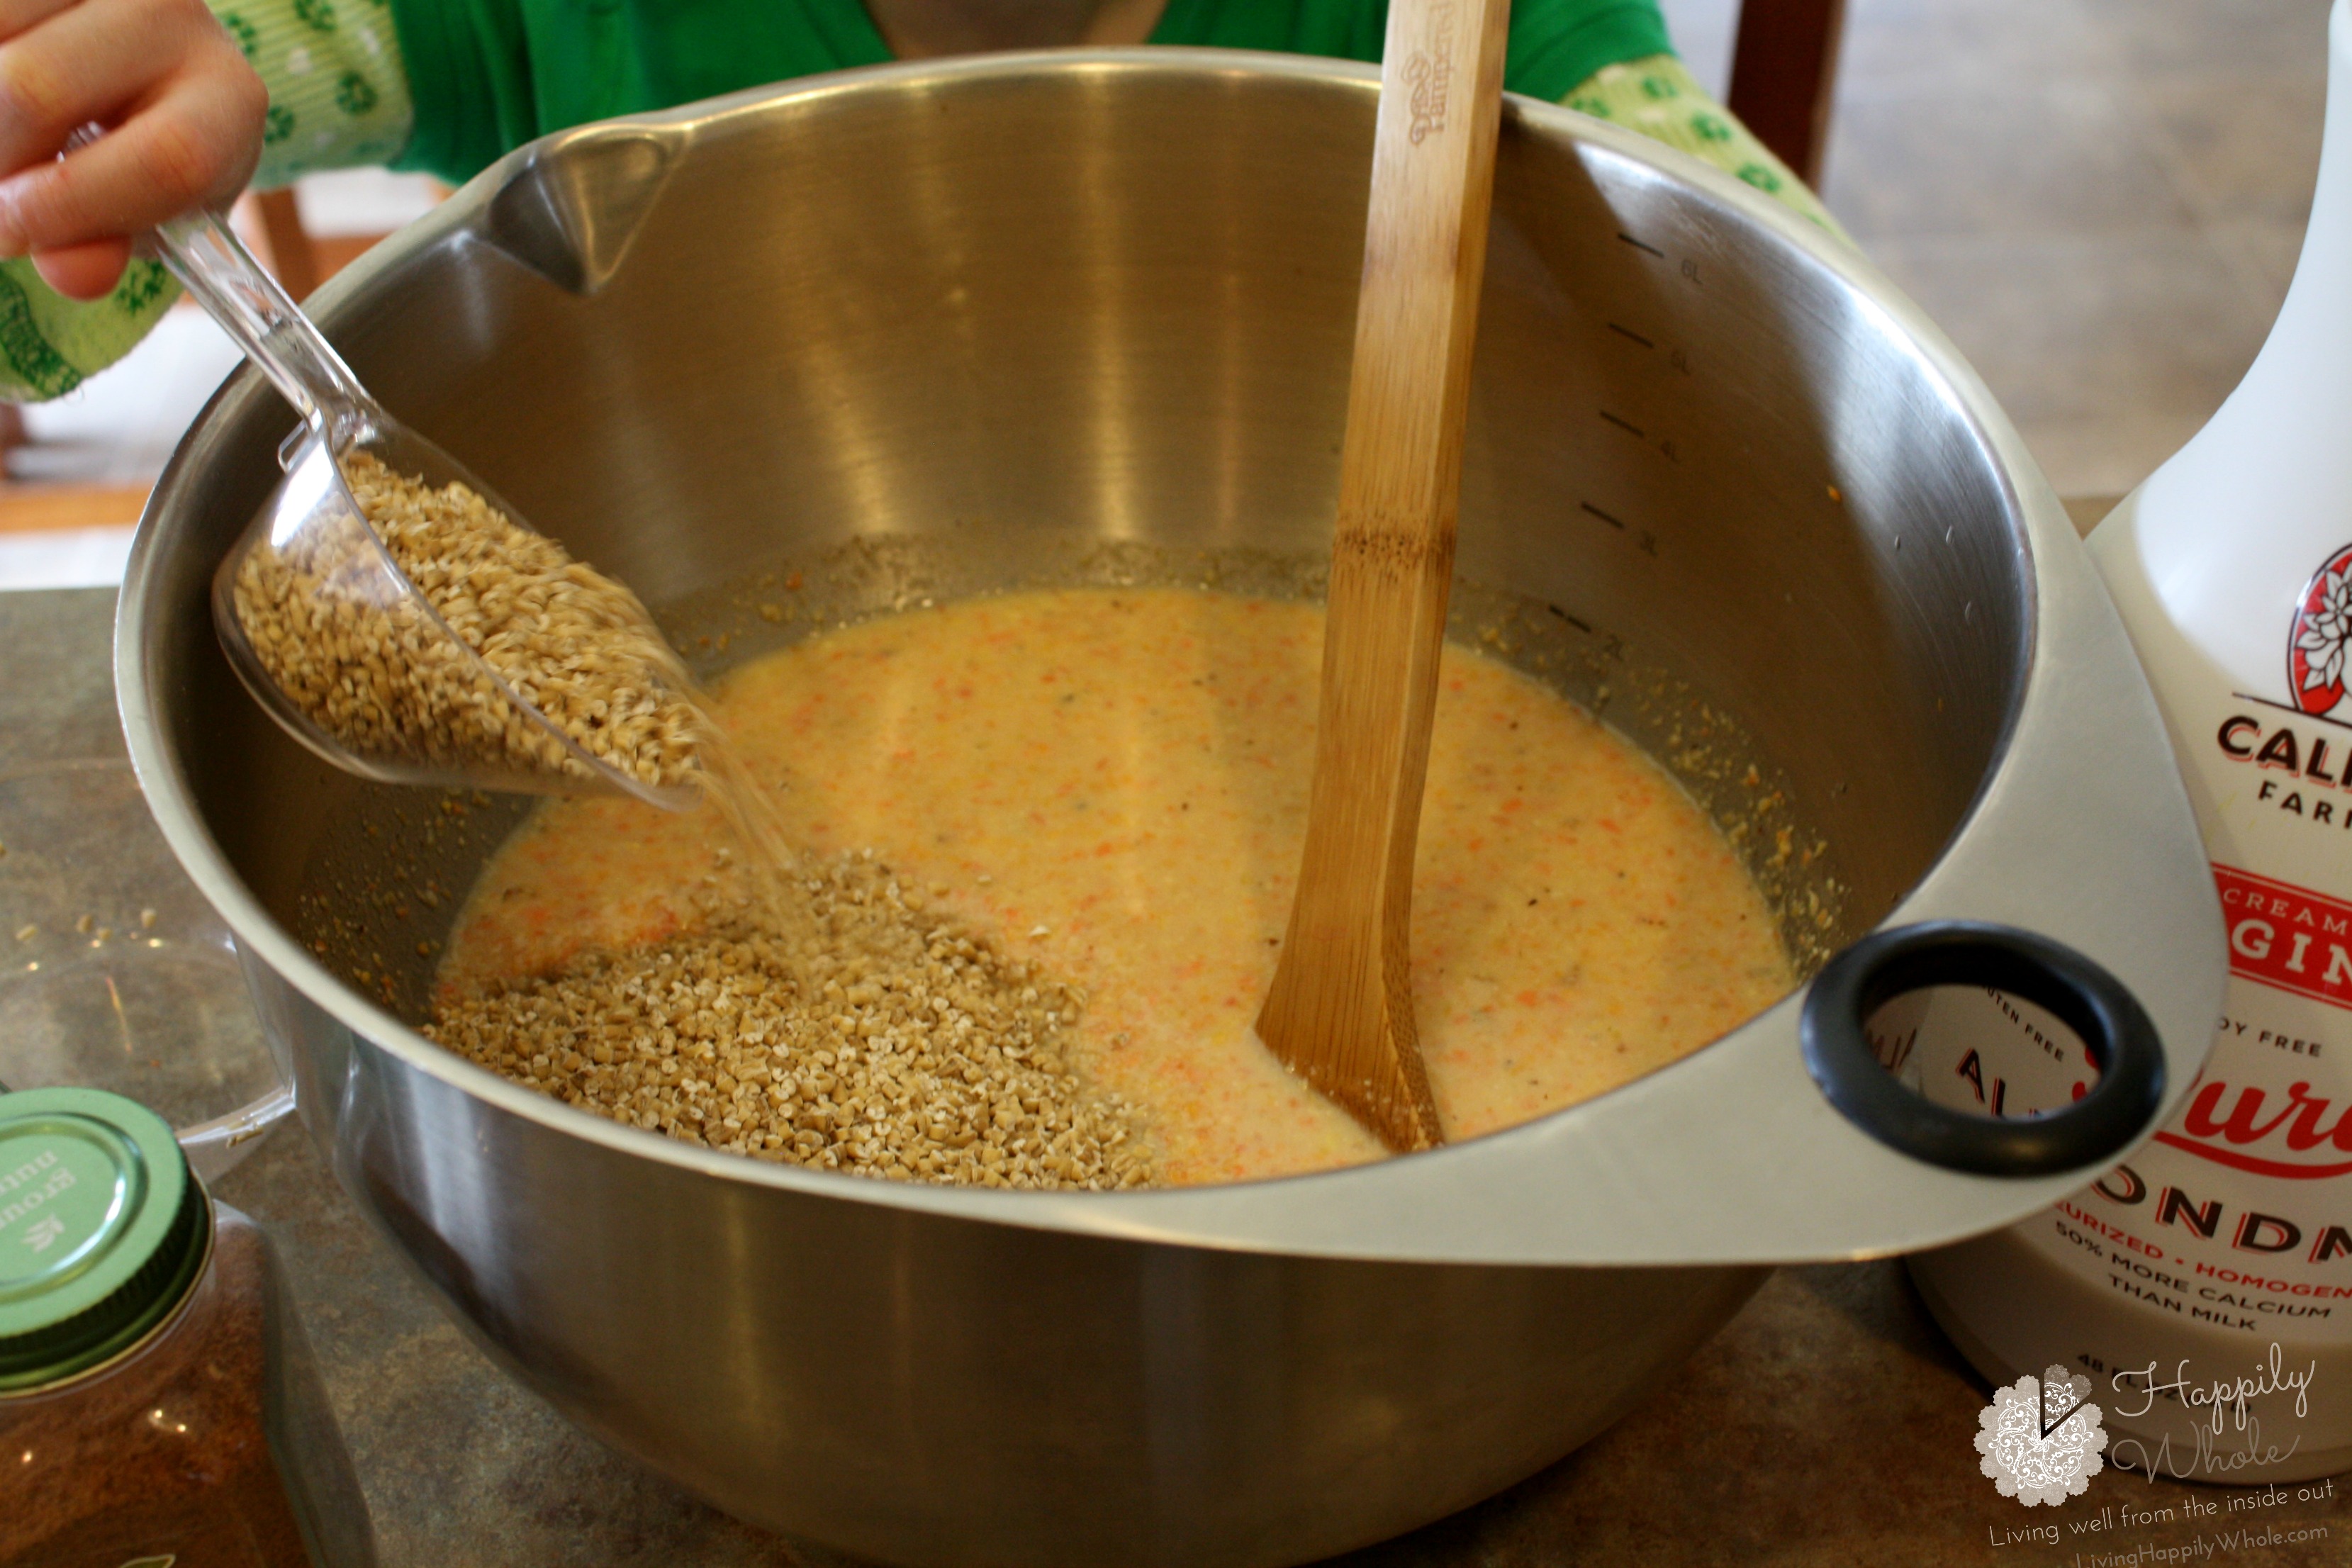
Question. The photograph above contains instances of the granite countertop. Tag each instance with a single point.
(1830, 1423)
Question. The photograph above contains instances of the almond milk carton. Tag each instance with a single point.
(2205, 1285)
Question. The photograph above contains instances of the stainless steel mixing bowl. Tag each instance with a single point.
(924, 329)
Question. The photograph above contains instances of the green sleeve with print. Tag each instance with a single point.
(50, 345)
(338, 97)
(1657, 97)
(339, 94)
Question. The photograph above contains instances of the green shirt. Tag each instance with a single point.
(451, 85)
(488, 75)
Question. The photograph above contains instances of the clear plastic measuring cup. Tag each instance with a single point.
(320, 622)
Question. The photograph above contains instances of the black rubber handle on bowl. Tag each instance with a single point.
(2078, 993)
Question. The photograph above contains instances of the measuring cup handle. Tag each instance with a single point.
(2079, 993)
(222, 276)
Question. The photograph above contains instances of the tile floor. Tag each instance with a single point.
(2099, 200)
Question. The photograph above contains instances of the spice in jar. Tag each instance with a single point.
(157, 1397)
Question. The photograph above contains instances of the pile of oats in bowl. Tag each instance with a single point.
(884, 1044)
(378, 677)
(816, 1018)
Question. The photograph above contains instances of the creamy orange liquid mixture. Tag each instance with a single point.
(1113, 784)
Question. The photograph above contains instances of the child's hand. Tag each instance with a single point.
(183, 116)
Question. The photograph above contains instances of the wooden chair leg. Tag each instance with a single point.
(290, 248)
(12, 435)
(1784, 74)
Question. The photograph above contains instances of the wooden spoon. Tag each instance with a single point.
(1340, 1009)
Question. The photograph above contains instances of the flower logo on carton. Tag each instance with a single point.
(2041, 1438)
(2319, 640)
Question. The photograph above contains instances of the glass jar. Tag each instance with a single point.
(158, 1402)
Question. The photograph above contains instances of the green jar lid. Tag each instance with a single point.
(103, 1229)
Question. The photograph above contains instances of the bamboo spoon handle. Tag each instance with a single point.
(1340, 1009)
